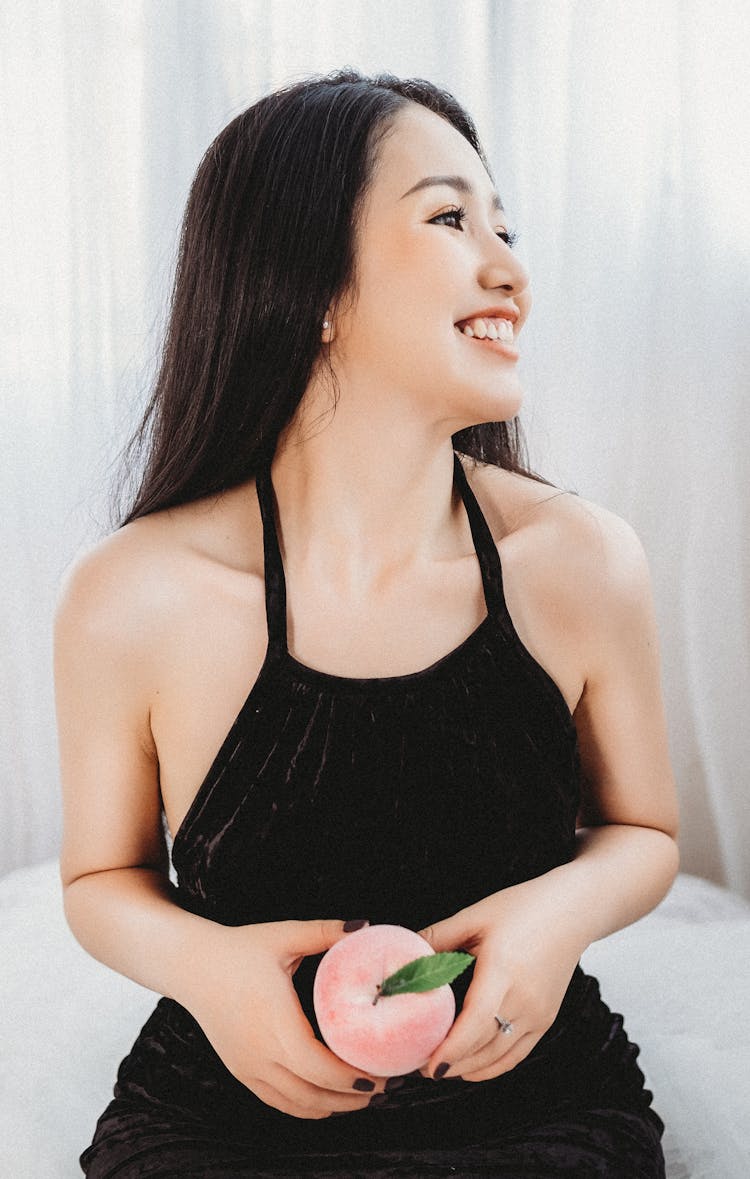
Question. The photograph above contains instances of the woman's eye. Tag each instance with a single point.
(458, 215)
(509, 236)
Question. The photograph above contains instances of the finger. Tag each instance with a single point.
(490, 1054)
(298, 1049)
(274, 1097)
(466, 1045)
(313, 937)
(302, 1104)
(316, 1064)
(475, 1026)
(450, 934)
(504, 1063)
(317, 1102)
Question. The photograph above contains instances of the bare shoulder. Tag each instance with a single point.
(550, 533)
(151, 574)
(115, 588)
(575, 575)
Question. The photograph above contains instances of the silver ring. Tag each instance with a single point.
(506, 1027)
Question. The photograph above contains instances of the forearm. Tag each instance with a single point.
(619, 873)
(128, 919)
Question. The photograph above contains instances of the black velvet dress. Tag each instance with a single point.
(401, 799)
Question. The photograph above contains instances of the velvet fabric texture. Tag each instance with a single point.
(401, 799)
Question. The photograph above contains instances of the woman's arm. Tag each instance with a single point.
(237, 982)
(528, 939)
(113, 861)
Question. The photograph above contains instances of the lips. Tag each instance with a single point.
(506, 312)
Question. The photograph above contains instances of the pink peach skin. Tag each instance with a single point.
(398, 1033)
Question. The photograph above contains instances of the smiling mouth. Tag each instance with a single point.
(488, 327)
(498, 346)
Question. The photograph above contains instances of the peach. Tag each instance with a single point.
(386, 1035)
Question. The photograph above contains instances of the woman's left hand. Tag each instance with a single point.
(525, 957)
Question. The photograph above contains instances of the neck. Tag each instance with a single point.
(359, 504)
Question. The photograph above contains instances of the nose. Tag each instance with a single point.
(501, 268)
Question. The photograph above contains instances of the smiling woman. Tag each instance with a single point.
(368, 667)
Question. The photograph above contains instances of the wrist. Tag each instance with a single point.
(198, 962)
(619, 873)
(542, 910)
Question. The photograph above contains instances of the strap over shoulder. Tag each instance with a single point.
(484, 544)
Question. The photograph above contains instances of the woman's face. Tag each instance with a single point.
(421, 271)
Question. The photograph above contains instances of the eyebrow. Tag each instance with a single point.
(460, 183)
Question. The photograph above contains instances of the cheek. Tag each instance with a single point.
(390, 289)
(408, 272)
(402, 321)
(398, 318)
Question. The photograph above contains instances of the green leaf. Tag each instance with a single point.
(424, 974)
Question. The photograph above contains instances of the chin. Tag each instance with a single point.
(497, 408)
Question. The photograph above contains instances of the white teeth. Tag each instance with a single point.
(492, 329)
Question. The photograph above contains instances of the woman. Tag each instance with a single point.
(367, 667)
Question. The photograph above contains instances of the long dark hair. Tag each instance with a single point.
(266, 248)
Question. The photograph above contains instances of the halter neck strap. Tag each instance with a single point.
(275, 580)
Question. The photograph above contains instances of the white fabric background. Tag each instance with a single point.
(617, 135)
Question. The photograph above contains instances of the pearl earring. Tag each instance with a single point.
(326, 324)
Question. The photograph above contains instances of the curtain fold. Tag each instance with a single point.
(617, 138)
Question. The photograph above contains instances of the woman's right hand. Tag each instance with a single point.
(243, 997)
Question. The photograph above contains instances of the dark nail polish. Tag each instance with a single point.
(394, 1083)
(357, 923)
(441, 1070)
(378, 1099)
(363, 1085)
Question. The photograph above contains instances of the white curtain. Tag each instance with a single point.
(617, 133)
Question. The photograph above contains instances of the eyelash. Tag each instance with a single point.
(508, 236)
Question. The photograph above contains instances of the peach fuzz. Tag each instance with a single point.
(387, 1035)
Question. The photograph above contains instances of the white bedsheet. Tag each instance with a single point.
(680, 976)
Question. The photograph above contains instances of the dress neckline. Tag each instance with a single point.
(280, 667)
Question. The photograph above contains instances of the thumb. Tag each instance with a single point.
(449, 934)
(313, 937)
